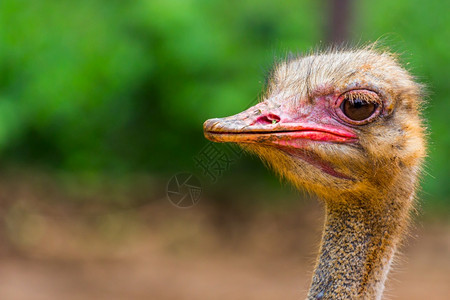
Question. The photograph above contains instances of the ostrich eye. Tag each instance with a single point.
(358, 109)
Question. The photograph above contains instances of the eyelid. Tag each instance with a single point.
(365, 95)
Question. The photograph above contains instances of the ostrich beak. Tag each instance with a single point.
(274, 127)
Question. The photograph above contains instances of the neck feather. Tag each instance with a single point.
(358, 244)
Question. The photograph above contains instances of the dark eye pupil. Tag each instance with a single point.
(358, 109)
(357, 103)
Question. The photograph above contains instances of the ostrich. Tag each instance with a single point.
(346, 126)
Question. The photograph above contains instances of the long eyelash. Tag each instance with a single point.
(362, 96)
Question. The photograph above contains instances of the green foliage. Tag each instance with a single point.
(126, 85)
(112, 85)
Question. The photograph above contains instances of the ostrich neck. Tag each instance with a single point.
(358, 244)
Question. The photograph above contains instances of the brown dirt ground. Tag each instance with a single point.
(77, 249)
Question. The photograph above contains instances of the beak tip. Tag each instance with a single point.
(209, 124)
(208, 127)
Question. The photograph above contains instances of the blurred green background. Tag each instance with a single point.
(117, 87)
(102, 102)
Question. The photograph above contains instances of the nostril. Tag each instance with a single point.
(268, 119)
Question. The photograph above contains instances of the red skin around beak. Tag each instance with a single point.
(263, 125)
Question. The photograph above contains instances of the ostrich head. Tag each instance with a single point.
(341, 124)
(346, 126)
